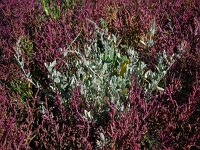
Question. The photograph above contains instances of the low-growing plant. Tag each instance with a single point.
(26, 45)
(22, 89)
(103, 73)
(53, 8)
(19, 57)
(104, 111)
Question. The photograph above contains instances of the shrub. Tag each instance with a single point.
(103, 73)
(83, 96)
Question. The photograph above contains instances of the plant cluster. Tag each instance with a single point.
(107, 74)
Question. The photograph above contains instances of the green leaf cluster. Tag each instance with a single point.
(52, 9)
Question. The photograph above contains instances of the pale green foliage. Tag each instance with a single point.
(22, 86)
(153, 80)
(20, 61)
(97, 71)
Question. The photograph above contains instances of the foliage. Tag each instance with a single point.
(103, 73)
(132, 83)
(53, 8)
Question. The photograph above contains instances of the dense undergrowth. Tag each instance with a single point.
(109, 74)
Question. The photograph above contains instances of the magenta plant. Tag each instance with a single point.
(176, 125)
(34, 117)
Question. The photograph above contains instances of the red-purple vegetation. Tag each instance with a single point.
(32, 118)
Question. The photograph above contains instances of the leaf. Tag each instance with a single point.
(160, 89)
(86, 62)
(102, 137)
(153, 27)
(105, 67)
(57, 80)
(53, 64)
(122, 69)
(65, 53)
(146, 74)
(48, 67)
(114, 39)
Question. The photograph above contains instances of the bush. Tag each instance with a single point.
(99, 75)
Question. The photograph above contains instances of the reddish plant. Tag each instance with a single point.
(43, 120)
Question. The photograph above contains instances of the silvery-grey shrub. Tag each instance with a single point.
(98, 71)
